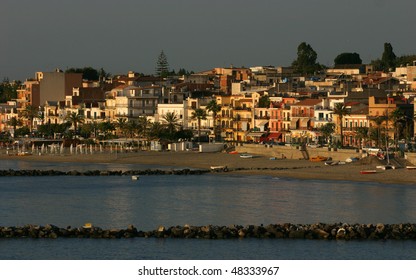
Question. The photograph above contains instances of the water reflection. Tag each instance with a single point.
(117, 201)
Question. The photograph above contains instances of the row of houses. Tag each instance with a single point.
(297, 106)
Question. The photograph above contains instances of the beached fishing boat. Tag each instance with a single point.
(246, 156)
(411, 167)
(219, 168)
(318, 158)
(368, 171)
(385, 167)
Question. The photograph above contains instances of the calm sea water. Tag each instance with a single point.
(116, 202)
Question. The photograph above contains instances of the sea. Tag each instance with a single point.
(210, 199)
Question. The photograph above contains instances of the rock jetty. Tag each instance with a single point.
(338, 231)
(35, 172)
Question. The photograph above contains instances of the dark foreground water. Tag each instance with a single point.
(116, 202)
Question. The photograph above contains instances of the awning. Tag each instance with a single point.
(261, 123)
(304, 122)
(293, 123)
(255, 133)
(275, 135)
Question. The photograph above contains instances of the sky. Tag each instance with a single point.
(128, 35)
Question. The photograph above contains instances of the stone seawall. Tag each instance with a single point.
(338, 231)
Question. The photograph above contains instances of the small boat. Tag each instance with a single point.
(368, 171)
(24, 154)
(246, 156)
(332, 163)
(385, 167)
(135, 177)
(411, 167)
(351, 159)
(318, 158)
(233, 152)
(219, 168)
(87, 225)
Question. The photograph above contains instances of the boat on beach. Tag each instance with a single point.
(246, 156)
(318, 158)
(372, 171)
(219, 168)
(411, 167)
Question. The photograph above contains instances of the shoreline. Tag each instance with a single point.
(258, 165)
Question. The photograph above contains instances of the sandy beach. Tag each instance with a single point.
(258, 165)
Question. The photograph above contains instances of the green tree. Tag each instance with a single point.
(131, 128)
(388, 57)
(387, 61)
(327, 130)
(215, 108)
(121, 124)
(88, 73)
(8, 91)
(162, 65)
(14, 122)
(156, 130)
(74, 119)
(106, 128)
(306, 60)
(30, 113)
(397, 117)
(348, 58)
(264, 101)
(172, 123)
(361, 134)
(199, 114)
(405, 60)
(143, 124)
(340, 110)
(376, 133)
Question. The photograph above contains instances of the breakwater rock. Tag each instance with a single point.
(186, 171)
(338, 231)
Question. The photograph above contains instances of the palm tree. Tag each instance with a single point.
(14, 122)
(172, 123)
(397, 117)
(340, 110)
(143, 125)
(214, 108)
(74, 118)
(378, 121)
(30, 112)
(121, 125)
(199, 114)
(361, 134)
(155, 130)
(131, 127)
(327, 130)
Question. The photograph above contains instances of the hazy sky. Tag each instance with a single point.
(123, 35)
